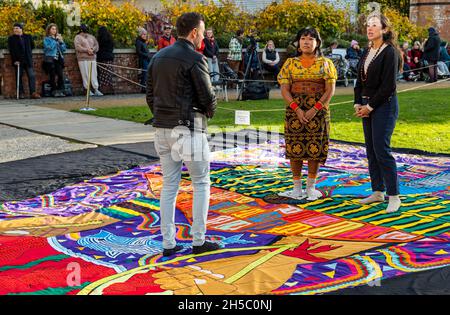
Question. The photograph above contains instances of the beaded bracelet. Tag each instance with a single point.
(318, 105)
(293, 106)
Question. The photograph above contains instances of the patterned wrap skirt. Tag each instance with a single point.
(307, 142)
(105, 78)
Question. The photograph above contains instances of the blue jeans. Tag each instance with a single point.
(214, 67)
(378, 129)
(144, 73)
(175, 147)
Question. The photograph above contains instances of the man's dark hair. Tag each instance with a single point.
(18, 25)
(187, 22)
(239, 32)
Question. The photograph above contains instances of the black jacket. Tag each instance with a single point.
(142, 51)
(179, 88)
(381, 81)
(105, 51)
(431, 49)
(211, 50)
(20, 53)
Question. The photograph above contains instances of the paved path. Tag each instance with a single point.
(73, 126)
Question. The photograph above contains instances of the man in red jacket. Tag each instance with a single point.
(167, 39)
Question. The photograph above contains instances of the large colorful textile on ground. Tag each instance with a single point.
(102, 236)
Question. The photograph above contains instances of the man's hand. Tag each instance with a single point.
(17, 63)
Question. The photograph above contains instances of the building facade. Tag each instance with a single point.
(434, 12)
(248, 5)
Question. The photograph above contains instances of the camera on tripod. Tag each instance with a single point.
(253, 41)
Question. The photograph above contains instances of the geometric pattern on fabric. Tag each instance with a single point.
(109, 228)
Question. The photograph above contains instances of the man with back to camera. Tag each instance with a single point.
(181, 99)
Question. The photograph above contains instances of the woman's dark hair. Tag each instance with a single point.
(187, 22)
(308, 31)
(103, 35)
(83, 29)
(390, 37)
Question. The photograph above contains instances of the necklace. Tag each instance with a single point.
(364, 73)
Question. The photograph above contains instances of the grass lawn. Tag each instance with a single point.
(424, 118)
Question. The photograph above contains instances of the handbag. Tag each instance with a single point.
(49, 59)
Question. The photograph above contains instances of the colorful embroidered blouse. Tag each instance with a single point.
(322, 68)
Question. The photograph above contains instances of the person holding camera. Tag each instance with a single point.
(251, 60)
(54, 48)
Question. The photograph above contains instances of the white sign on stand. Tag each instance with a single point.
(242, 117)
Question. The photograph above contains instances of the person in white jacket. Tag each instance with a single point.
(271, 58)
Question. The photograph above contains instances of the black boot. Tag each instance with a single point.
(172, 251)
(206, 247)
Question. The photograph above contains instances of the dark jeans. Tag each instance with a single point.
(56, 70)
(145, 64)
(31, 78)
(378, 129)
(274, 69)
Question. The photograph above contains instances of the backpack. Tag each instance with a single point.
(255, 91)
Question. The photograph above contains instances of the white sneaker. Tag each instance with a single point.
(294, 194)
(313, 194)
(98, 93)
(394, 204)
(376, 196)
(91, 93)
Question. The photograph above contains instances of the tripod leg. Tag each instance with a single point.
(247, 70)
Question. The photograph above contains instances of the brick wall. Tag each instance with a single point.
(437, 12)
(123, 57)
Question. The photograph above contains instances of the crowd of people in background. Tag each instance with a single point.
(428, 61)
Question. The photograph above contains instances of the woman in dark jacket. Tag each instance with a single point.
(143, 55)
(431, 53)
(376, 103)
(105, 55)
(211, 53)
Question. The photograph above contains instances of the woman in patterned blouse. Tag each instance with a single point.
(307, 85)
